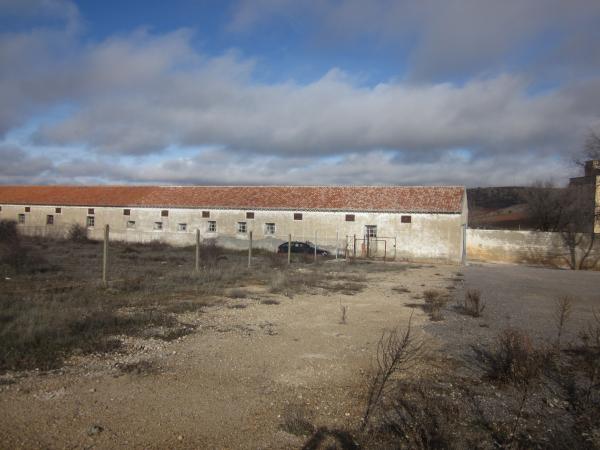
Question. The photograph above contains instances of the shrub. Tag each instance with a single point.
(295, 421)
(77, 233)
(514, 359)
(8, 231)
(237, 293)
(473, 305)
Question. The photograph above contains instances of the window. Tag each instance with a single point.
(371, 231)
(205, 214)
(212, 226)
(27, 209)
(349, 217)
(182, 227)
(241, 227)
(126, 212)
(49, 219)
(269, 228)
(249, 215)
(406, 219)
(58, 210)
(158, 225)
(164, 213)
(90, 211)
(131, 224)
(21, 218)
(297, 216)
(89, 221)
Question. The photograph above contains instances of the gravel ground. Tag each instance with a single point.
(517, 297)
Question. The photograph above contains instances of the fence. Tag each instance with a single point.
(335, 246)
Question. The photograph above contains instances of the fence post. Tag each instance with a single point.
(105, 254)
(337, 243)
(197, 249)
(250, 249)
(315, 246)
(354, 247)
(395, 247)
(346, 248)
(289, 248)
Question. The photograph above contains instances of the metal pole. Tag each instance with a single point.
(197, 249)
(250, 249)
(395, 247)
(105, 254)
(337, 243)
(315, 246)
(289, 248)
(346, 248)
(354, 247)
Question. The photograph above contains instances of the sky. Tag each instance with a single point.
(329, 92)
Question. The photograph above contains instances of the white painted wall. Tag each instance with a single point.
(427, 237)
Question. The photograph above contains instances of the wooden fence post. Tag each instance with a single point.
(289, 249)
(354, 247)
(250, 249)
(197, 250)
(337, 243)
(105, 253)
(346, 248)
(315, 246)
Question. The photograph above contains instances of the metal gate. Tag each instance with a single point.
(381, 247)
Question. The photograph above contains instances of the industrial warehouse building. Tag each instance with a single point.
(412, 223)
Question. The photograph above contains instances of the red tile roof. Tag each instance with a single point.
(338, 198)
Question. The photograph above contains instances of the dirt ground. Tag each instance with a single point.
(228, 384)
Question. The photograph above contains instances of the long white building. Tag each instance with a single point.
(413, 223)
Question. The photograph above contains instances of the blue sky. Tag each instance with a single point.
(469, 92)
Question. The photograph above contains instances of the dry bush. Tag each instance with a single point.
(343, 313)
(473, 304)
(8, 231)
(419, 418)
(295, 421)
(562, 312)
(237, 293)
(269, 301)
(514, 359)
(434, 302)
(397, 350)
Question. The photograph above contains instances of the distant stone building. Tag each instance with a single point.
(589, 189)
(417, 223)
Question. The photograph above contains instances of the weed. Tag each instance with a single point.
(237, 293)
(269, 301)
(295, 420)
(77, 233)
(562, 312)
(434, 302)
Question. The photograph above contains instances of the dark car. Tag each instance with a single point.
(302, 247)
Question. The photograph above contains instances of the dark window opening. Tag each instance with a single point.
(164, 213)
(49, 219)
(58, 210)
(90, 221)
(249, 215)
(297, 216)
(90, 211)
(406, 219)
(21, 218)
(205, 214)
(126, 212)
(27, 209)
(349, 217)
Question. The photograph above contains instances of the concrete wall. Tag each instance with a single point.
(524, 247)
(436, 237)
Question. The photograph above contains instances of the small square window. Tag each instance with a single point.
(90, 221)
(27, 209)
(269, 228)
(131, 224)
(349, 217)
(158, 225)
(49, 219)
(371, 231)
(297, 216)
(90, 211)
(164, 213)
(21, 218)
(241, 227)
(249, 215)
(126, 212)
(406, 219)
(182, 227)
(212, 226)
(58, 210)
(205, 214)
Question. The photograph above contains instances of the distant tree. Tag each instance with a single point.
(545, 205)
(591, 149)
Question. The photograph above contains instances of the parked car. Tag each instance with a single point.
(302, 247)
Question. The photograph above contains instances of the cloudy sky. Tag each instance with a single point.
(469, 92)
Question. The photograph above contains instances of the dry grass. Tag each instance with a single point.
(473, 305)
(434, 302)
(295, 420)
